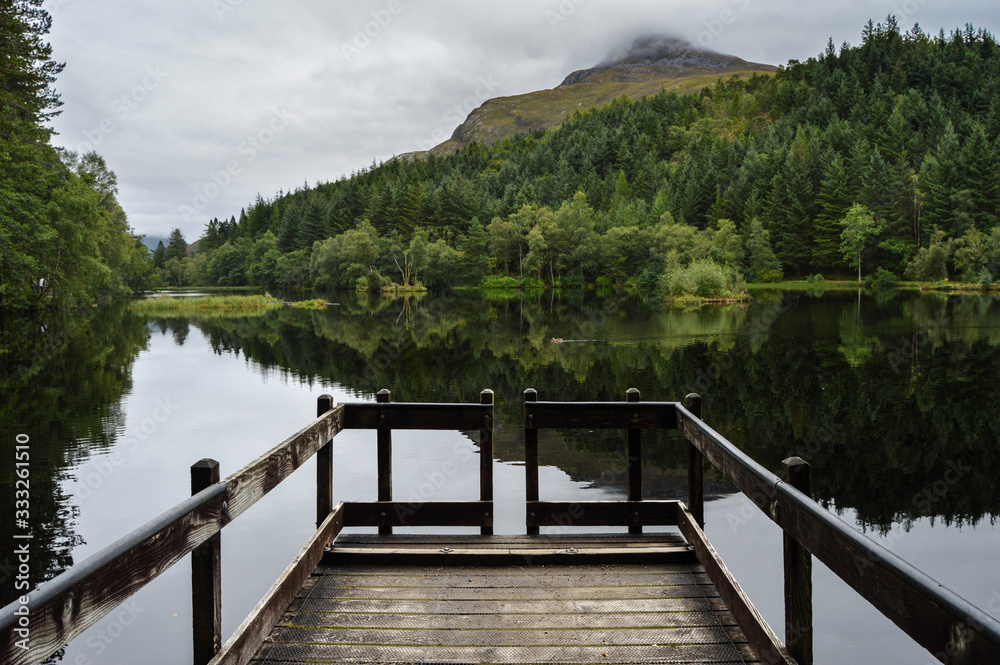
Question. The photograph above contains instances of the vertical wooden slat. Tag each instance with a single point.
(486, 455)
(384, 459)
(696, 467)
(798, 576)
(206, 577)
(530, 457)
(324, 467)
(634, 460)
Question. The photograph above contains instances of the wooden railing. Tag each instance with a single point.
(633, 416)
(66, 606)
(948, 626)
(384, 416)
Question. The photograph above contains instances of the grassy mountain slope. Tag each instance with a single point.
(651, 65)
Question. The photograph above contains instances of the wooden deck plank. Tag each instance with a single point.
(501, 577)
(388, 621)
(404, 540)
(530, 594)
(475, 607)
(466, 613)
(526, 636)
(713, 653)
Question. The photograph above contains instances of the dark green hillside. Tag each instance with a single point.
(906, 125)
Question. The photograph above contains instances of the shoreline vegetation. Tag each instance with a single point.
(244, 305)
(234, 305)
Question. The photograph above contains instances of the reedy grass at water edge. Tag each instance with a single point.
(217, 305)
(166, 305)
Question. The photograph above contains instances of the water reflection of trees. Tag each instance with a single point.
(883, 399)
(61, 384)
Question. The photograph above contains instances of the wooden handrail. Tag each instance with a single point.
(65, 606)
(414, 415)
(632, 416)
(384, 416)
(600, 415)
(936, 617)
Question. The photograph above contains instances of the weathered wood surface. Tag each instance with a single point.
(756, 482)
(251, 483)
(427, 513)
(508, 550)
(696, 467)
(206, 576)
(66, 606)
(324, 467)
(602, 513)
(758, 632)
(414, 415)
(934, 616)
(486, 457)
(530, 458)
(798, 576)
(247, 639)
(383, 454)
(634, 461)
(601, 415)
(511, 614)
(422, 540)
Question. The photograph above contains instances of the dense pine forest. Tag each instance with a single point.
(65, 241)
(750, 178)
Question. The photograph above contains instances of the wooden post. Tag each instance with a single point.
(206, 577)
(696, 467)
(634, 461)
(530, 457)
(486, 457)
(324, 468)
(384, 459)
(798, 576)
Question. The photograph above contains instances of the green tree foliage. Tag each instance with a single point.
(703, 279)
(340, 261)
(176, 246)
(860, 227)
(931, 262)
(906, 124)
(159, 255)
(64, 239)
(760, 255)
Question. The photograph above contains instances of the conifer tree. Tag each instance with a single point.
(834, 200)
(176, 246)
(288, 231)
(312, 226)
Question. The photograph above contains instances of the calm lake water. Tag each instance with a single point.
(892, 398)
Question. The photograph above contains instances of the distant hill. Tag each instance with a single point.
(650, 65)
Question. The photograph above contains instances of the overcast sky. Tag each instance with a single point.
(198, 105)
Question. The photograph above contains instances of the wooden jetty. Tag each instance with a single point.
(629, 597)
